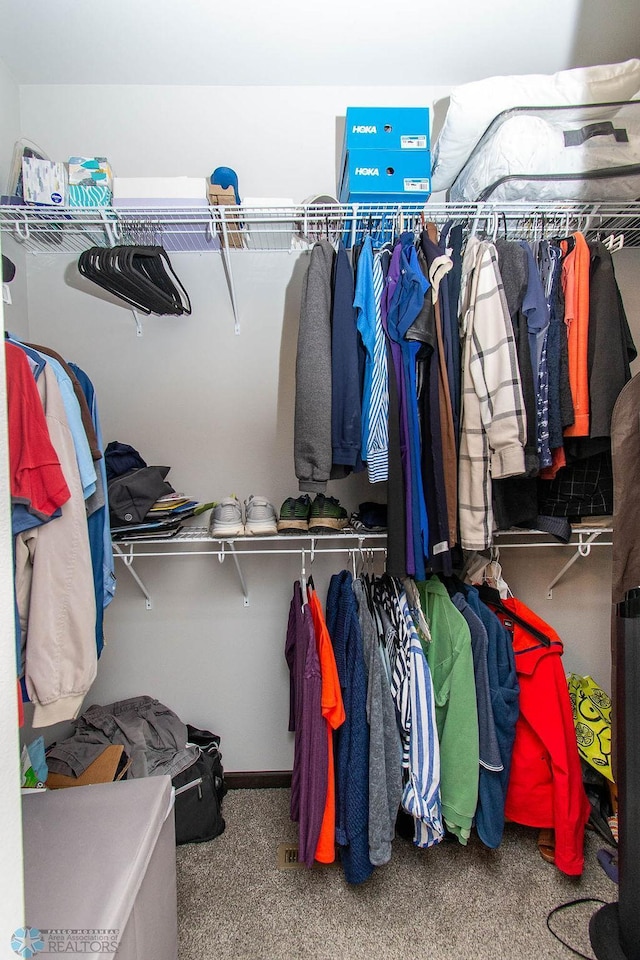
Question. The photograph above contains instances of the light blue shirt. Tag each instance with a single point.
(84, 459)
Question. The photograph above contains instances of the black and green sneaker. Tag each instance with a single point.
(294, 515)
(327, 515)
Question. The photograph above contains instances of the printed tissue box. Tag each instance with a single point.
(90, 182)
(44, 181)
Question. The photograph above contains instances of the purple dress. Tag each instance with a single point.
(310, 759)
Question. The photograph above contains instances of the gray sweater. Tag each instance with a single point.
(385, 750)
(312, 428)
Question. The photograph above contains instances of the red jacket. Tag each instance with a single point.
(545, 784)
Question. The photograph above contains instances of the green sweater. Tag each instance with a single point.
(451, 663)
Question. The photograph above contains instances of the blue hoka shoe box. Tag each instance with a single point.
(385, 155)
(385, 176)
(386, 128)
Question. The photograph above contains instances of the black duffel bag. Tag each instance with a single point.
(199, 790)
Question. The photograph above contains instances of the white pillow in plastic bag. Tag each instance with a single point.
(473, 106)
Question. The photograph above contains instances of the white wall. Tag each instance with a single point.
(10, 131)
(9, 121)
(282, 141)
(219, 408)
(11, 882)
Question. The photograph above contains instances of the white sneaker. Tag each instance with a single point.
(226, 519)
(260, 517)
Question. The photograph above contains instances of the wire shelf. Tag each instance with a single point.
(237, 228)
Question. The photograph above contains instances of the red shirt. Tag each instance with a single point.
(36, 478)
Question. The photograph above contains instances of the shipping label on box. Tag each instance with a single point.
(385, 176)
(44, 181)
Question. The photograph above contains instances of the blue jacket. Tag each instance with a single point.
(346, 380)
(352, 738)
(503, 684)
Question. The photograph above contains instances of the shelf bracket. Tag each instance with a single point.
(228, 271)
(583, 549)
(138, 322)
(234, 554)
(127, 558)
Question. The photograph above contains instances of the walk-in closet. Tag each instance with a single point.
(209, 391)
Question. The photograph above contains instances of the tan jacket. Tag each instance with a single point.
(54, 588)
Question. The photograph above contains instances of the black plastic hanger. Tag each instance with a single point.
(492, 598)
(142, 276)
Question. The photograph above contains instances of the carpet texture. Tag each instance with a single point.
(447, 902)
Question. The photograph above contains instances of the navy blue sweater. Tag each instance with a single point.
(352, 738)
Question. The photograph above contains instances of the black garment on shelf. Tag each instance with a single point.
(132, 494)
(581, 489)
(121, 457)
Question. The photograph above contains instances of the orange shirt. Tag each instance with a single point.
(575, 283)
(333, 711)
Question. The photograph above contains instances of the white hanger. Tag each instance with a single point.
(303, 580)
(614, 243)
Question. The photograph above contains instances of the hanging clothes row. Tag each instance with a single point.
(446, 709)
(477, 378)
(64, 576)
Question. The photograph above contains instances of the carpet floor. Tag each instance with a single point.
(471, 903)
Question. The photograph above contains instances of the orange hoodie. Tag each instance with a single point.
(575, 283)
(333, 711)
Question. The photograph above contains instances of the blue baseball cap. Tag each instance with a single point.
(226, 177)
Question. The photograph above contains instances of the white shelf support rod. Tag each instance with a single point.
(127, 558)
(354, 225)
(583, 549)
(111, 228)
(245, 592)
(138, 322)
(226, 260)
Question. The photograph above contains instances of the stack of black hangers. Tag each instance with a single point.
(142, 276)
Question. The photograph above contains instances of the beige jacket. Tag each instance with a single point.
(54, 588)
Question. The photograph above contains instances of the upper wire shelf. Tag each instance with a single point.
(228, 228)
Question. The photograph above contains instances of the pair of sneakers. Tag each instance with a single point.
(301, 515)
(227, 518)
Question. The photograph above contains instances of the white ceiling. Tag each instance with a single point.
(323, 42)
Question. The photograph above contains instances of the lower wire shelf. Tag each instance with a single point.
(583, 538)
(359, 547)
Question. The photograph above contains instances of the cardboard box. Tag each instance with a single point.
(226, 197)
(44, 181)
(387, 128)
(385, 176)
(178, 233)
(190, 191)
